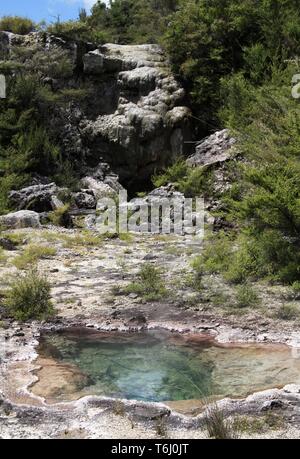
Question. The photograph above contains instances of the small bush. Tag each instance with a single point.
(2, 255)
(150, 284)
(195, 279)
(287, 312)
(32, 254)
(29, 298)
(17, 24)
(190, 181)
(60, 216)
(216, 255)
(197, 182)
(173, 174)
(246, 296)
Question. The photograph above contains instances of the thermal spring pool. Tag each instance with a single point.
(157, 366)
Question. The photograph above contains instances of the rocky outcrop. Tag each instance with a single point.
(134, 114)
(47, 197)
(148, 124)
(85, 199)
(39, 198)
(214, 150)
(21, 219)
(7, 244)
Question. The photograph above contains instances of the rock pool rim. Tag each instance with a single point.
(185, 337)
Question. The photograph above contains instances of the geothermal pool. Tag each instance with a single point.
(158, 366)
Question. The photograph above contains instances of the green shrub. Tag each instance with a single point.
(71, 30)
(191, 181)
(2, 255)
(28, 298)
(17, 24)
(173, 174)
(296, 290)
(216, 255)
(196, 183)
(195, 279)
(149, 284)
(246, 296)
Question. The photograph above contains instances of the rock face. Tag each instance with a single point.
(215, 149)
(21, 219)
(7, 244)
(134, 115)
(39, 198)
(147, 126)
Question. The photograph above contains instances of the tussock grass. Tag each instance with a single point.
(32, 254)
(218, 427)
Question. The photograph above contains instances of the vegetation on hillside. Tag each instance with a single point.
(29, 145)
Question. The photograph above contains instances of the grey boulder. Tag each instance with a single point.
(214, 149)
(21, 219)
(39, 198)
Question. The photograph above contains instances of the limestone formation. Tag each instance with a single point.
(213, 150)
(39, 198)
(21, 219)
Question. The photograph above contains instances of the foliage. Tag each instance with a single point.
(32, 254)
(123, 21)
(246, 296)
(17, 24)
(28, 141)
(192, 182)
(149, 284)
(288, 312)
(60, 216)
(29, 298)
(173, 174)
(211, 39)
(216, 255)
(267, 206)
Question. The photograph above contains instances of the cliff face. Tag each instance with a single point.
(147, 123)
(133, 116)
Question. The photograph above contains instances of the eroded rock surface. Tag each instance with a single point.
(134, 115)
(213, 150)
(149, 123)
(21, 219)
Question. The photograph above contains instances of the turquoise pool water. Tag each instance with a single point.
(160, 366)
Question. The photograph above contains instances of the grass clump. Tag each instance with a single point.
(218, 427)
(2, 255)
(29, 298)
(246, 296)
(82, 239)
(216, 255)
(256, 425)
(288, 312)
(149, 284)
(32, 254)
